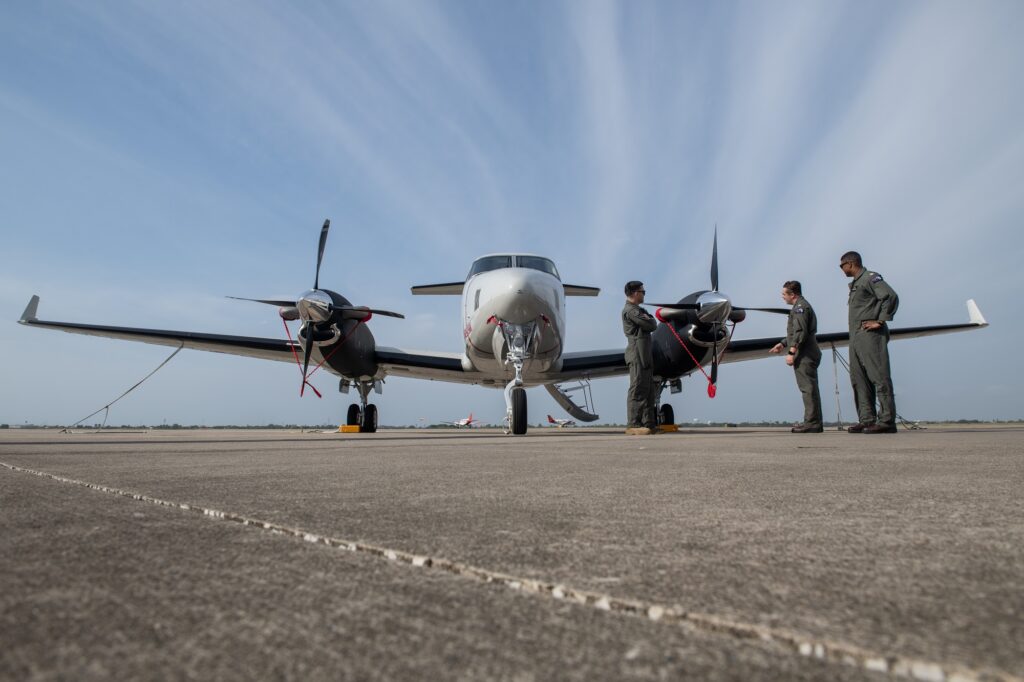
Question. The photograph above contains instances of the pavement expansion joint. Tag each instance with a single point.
(804, 645)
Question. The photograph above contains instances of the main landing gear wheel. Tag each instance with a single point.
(666, 415)
(518, 411)
(353, 415)
(369, 424)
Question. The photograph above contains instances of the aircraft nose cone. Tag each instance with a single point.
(519, 281)
(714, 307)
(314, 305)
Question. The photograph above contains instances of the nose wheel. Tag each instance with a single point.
(666, 415)
(517, 420)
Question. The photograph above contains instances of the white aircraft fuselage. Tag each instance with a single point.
(511, 315)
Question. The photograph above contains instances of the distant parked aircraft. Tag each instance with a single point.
(560, 422)
(465, 421)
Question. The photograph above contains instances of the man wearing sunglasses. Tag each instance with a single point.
(642, 399)
(872, 305)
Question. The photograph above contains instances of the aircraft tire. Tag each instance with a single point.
(369, 424)
(353, 415)
(666, 415)
(519, 411)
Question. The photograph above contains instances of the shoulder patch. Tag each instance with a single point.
(875, 278)
(798, 309)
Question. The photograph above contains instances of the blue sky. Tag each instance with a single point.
(160, 156)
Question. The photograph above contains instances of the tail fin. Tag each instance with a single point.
(551, 420)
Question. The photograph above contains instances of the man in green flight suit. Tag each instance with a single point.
(873, 303)
(803, 354)
(641, 401)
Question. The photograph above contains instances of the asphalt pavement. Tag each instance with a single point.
(708, 554)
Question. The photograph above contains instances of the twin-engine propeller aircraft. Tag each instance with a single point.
(514, 331)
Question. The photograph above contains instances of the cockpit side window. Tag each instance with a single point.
(538, 263)
(489, 263)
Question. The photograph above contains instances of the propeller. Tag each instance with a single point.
(778, 311)
(714, 262)
(713, 310)
(305, 360)
(317, 310)
(320, 251)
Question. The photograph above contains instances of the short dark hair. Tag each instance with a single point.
(793, 287)
(633, 286)
(851, 257)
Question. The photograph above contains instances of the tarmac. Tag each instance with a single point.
(565, 554)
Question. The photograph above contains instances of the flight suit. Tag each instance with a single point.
(871, 298)
(801, 329)
(642, 398)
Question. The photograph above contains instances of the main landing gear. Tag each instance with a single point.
(363, 414)
(666, 415)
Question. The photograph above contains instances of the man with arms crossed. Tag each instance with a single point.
(637, 325)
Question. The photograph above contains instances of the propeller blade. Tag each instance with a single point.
(320, 251)
(269, 301)
(714, 262)
(714, 362)
(675, 306)
(305, 359)
(352, 312)
(780, 311)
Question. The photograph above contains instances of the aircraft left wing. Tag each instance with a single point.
(608, 363)
(249, 346)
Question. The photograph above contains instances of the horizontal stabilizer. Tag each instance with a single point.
(33, 307)
(447, 289)
(578, 290)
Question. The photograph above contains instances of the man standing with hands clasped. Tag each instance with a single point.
(803, 354)
(637, 325)
(872, 305)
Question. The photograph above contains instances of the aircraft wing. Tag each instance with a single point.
(425, 365)
(249, 346)
(608, 363)
(751, 349)
(592, 365)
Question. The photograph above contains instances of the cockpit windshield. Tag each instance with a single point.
(488, 263)
(538, 263)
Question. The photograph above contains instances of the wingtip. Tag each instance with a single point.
(30, 311)
(975, 313)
